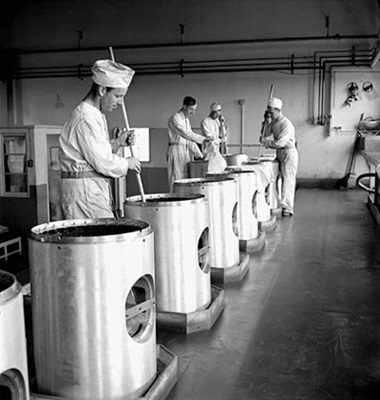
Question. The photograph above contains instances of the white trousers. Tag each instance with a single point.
(288, 163)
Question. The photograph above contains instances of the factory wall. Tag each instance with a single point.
(151, 101)
(153, 98)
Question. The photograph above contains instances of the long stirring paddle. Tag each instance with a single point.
(124, 111)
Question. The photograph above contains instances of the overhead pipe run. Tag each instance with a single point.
(194, 67)
(205, 43)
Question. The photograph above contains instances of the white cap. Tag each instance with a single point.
(109, 73)
(215, 106)
(275, 103)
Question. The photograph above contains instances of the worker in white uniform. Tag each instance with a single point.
(88, 157)
(284, 142)
(183, 142)
(214, 126)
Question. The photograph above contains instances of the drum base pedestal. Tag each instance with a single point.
(276, 211)
(194, 321)
(253, 245)
(269, 225)
(231, 274)
(167, 375)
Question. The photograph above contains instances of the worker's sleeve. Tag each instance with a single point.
(205, 128)
(195, 150)
(97, 151)
(284, 135)
(181, 130)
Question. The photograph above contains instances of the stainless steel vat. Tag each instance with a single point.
(221, 194)
(198, 168)
(235, 159)
(14, 382)
(274, 189)
(247, 202)
(181, 247)
(92, 284)
(263, 173)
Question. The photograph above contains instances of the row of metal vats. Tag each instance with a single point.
(101, 288)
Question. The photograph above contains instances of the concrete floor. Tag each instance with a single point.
(305, 322)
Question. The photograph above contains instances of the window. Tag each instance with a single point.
(14, 173)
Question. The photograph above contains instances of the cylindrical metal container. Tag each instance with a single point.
(263, 173)
(198, 168)
(235, 159)
(221, 194)
(14, 382)
(181, 248)
(93, 308)
(274, 190)
(247, 202)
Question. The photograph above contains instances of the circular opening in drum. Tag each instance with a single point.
(235, 226)
(139, 310)
(278, 185)
(12, 386)
(267, 194)
(6, 281)
(5, 392)
(204, 251)
(254, 204)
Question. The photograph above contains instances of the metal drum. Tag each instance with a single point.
(263, 173)
(274, 190)
(14, 382)
(198, 168)
(235, 159)
(181, 247)
(92, 284)
(247, 202)
(221, 194)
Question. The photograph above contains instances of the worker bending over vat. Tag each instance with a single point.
(88, 157)
(284, 142)
(183, 142)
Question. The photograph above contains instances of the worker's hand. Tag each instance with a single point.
(126, 138)
(265, 142)
(134, 163)
(267, 115)
(209, 139)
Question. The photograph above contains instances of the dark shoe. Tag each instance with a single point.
(286, 213)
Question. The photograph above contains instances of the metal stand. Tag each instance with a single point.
(268, 226)
(195, 321)
(253, 245)
(234, 273)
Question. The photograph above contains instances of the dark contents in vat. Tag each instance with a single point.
(6, 281)
(89, 230)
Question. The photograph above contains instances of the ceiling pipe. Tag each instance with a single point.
(200, 67)
(205, 43)
(327, 64)
(319, 60)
